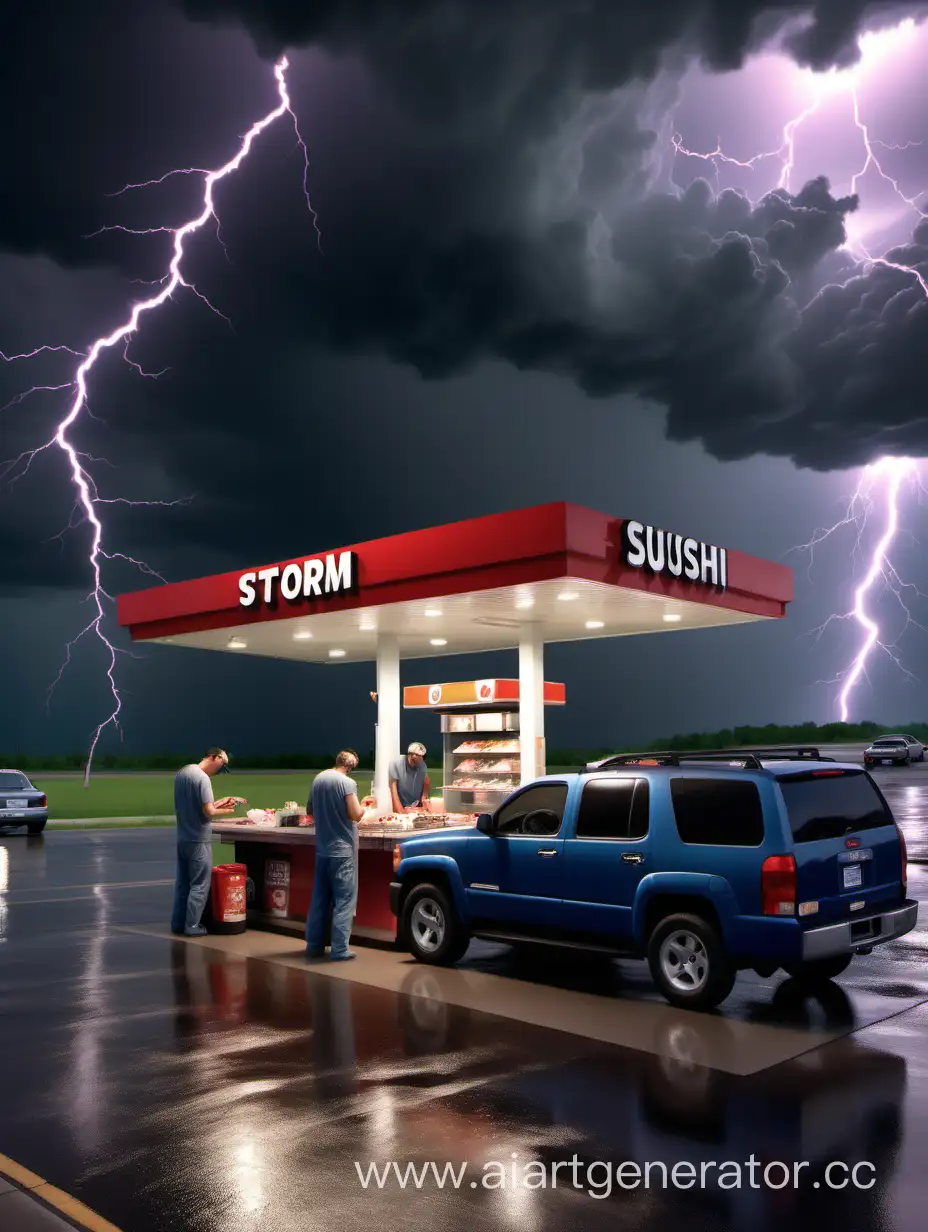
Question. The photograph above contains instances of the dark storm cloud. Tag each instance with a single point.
(699, 304)
(492, 183)
(455, 49)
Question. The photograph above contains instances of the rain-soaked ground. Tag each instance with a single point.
(228, 1086)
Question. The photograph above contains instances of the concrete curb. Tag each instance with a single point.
(24, 1194)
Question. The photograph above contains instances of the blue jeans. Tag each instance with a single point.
(335, 889)
(194, 870)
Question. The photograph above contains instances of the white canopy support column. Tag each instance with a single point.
(388, 717)
(532, 701)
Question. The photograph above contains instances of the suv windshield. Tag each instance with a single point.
(12, 780)
(830, 804)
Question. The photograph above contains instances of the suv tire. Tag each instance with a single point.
(431, 928)
(689, 962)
(821, 970)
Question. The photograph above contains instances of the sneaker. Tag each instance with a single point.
(315, 953)
(199, 931)
(346, 957)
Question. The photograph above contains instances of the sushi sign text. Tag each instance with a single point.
(660, 551)
(320, 577)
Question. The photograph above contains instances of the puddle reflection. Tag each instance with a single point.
(329, 1065)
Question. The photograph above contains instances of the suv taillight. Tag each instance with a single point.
(778, 885)
(904, 860)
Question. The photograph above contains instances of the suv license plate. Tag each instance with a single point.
(887, 761)
(853, 876)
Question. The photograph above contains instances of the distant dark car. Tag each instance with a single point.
(21, 804)
(894, 751)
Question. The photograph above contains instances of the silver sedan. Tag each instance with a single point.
(894, 751)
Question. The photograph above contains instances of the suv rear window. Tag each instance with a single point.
(718, 812)
(831, 804)
(613, 808)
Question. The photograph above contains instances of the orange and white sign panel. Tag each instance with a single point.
(474, 693)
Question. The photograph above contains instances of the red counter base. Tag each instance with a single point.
(373, 921)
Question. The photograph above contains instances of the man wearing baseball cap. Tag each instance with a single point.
(409, 781)
(194, 807)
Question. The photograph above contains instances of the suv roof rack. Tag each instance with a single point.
(752, 759)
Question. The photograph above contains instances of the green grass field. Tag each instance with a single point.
(152, 795)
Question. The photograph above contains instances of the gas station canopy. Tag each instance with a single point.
(553, 573)
(566, 571)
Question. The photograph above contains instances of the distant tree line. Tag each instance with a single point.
(728, 737)
(777, 733)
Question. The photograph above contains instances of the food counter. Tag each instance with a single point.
(281, 863)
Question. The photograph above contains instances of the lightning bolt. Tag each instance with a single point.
(844, 83)
(892, 471)
(880, 486)
(878, 492)
(87, 498)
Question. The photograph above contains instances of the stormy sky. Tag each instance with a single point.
(522, 295)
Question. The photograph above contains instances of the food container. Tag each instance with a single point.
(262, 817)
(285, 818)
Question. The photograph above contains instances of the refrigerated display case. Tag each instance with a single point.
(482, 754)
(482, 759)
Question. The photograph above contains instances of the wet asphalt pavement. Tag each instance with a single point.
(183, 1086)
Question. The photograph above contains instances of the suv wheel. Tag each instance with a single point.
(821, 970)
(431, 927)
(689, 963)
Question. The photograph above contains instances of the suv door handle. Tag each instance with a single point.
(547, 852)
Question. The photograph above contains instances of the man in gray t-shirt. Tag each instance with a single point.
(336, 810)
(409, 780)
(194, 806)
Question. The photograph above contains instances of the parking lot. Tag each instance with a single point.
(224, 1084)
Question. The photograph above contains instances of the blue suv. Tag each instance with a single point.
(704, 863)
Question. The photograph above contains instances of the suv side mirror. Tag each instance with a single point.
(485, 823)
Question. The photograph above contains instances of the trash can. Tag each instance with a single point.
(228, 898)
